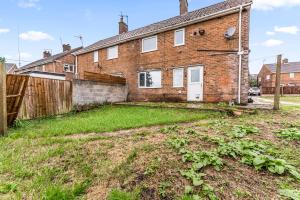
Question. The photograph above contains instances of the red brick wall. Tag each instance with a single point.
(220, 71)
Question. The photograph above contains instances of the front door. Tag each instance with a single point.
(195, 83)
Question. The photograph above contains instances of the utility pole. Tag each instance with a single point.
(3, 111)
(277, 84)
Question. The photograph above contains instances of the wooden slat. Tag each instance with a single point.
(104, 78)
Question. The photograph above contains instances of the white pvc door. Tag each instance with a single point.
(195, 83)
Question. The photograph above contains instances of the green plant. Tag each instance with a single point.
(162, 188)
(154, 165)
(177, 143)
(190, 132)
(208, 191)
(290, 194)
(241, 131)
(194, 176)
(290, 134)
(8, 187)
(169, 130)
(116, 194)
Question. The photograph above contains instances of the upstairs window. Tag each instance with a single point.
(96, 56)
(178, 75)
(69, 68)
(292, 75)
(149, 44)
(150, 79)
(112, 52)
(179, 37)
(268, 77)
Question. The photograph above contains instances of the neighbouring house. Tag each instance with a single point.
(53, 66)
(290, 74)
(196, 56)
(10, 68)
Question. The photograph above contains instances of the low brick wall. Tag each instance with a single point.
(91, 93)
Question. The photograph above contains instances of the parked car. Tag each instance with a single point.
(254, 91)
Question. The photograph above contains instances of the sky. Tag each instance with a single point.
(38, 25)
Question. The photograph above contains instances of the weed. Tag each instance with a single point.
(191, 132)
(162, 188)
(242, 131)
(208, 191)
(194, 176)
(290, 134)
(169, 130)
(178, 143)
(154, 165)
(122, 195)
(291, 194)
(8, 187)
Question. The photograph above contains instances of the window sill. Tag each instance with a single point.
(112, 58)
(178, 87)
(179, 45)
(148, 51)
(150, 87)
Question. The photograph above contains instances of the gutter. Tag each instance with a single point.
(201, 19)
(240, 53)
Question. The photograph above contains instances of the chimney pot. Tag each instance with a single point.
(123, 27)
(46, 54)
(184, 7)
(285, 61)
(66, 47)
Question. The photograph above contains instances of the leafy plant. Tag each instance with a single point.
(154, 165)
(162, 189)
(290, 134)
(241, 131)
(191, 132)
(208, 191)
(291, 194)
(170, 129)
(194, 176)
(178, 143)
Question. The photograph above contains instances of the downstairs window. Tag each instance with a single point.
(151, 79)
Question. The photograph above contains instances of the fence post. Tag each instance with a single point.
(3, 109)
(277, 84)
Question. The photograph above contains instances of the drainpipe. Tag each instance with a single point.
(240, 53)
(76, 66)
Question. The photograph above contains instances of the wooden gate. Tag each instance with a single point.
(15, 89)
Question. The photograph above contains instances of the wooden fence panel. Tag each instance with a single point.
(15, 90)
(283, 90)
(104, 78)
(46, 97)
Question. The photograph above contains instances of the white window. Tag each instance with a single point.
(69, 68)
(112, 52)
(179, 37)
(96, 56)
(149, 44)
(268, 77)
(150, 79)
(178, 75)
(292, 75)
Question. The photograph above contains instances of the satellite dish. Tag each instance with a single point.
(230, 32)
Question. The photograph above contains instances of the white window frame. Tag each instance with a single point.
(68, 66)
(268, 77)
(112, 48)
(175, 44)
(292, 75)
(145, 87)
(96, 56)
(156, 46)
(178, 86)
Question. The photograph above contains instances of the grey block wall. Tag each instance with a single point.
(87, 93)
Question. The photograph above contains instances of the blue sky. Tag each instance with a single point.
(39, 24)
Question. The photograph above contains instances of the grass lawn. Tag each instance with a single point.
(294, 99)
(216, 158)
(105, 119)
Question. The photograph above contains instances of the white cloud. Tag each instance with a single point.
(271, 4)
(272, 43)
(287, 29)
(4, 30)
(35, 36)
(29, 4)
(270, 33)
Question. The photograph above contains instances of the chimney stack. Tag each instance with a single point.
(66, 47)
(46, 54)
(285, 61)
(123, 27)
(184, 7)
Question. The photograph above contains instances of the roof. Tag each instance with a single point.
(9, 66)
(174, 22)
(48, 60)
(290, 67)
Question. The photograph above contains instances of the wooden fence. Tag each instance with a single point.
(46, 97)
(104, 78)
(15, 89)
(283, 90)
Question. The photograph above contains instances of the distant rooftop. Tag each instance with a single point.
(290, 67)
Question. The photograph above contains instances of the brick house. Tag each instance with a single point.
(51, 66)
(290, 74)
(196, 56)
(10, 68)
